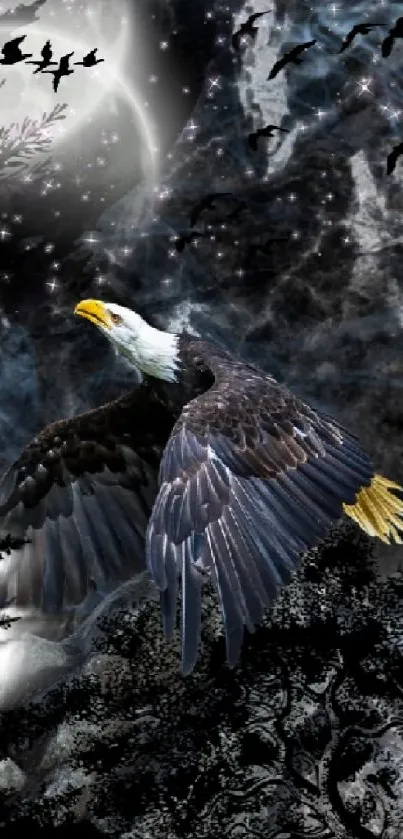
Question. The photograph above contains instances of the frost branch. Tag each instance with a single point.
(19, 142)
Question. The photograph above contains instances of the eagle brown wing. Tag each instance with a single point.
(81, 494)
(250, 479)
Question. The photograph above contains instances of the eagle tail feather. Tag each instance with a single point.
(378, 511)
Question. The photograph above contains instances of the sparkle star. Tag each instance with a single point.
(213, 85)
(363, 86)
(91, 239)
(192, 126)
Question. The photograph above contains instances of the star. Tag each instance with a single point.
(363, 85)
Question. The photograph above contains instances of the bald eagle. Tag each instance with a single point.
(209, 469)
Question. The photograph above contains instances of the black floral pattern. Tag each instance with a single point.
(303, 739)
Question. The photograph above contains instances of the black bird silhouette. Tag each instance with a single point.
(263, 247)
(358, 29)
(391, 159)
(12, 53)
(395, 32)
(292, 57)
(267, 131)
(186, 239)
(62, 70)
(206, 203)
(247, 28)
(236, 211)
(46, 54)
(90, 60)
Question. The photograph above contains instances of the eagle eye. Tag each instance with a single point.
(116, 318)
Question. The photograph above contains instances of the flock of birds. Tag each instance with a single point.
(293, 57)
(248, 28)
(12, 54)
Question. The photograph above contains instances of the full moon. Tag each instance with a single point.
(69, 28)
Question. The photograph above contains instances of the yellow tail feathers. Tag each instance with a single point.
(378, 511)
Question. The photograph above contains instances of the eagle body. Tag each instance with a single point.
(209, 469)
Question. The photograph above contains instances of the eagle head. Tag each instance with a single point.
(151, 350)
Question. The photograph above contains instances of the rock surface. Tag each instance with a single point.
(303, 738)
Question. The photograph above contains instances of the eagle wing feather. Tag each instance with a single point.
(251, 478)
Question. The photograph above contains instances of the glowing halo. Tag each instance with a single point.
(112, 80)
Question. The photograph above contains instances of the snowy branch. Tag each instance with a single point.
(19, 142)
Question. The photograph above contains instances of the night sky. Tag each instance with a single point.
(296, 266)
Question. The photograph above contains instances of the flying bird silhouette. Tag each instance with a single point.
(12, 53)
(236, 211)
(186, 239)
(247, 28)
(292, 57)
(206, 203)
(46, 54)
(263, 247)
(358, 29)
(395, 32)
(62, 70)
(267, 131)
(90, 59)
(392, 157)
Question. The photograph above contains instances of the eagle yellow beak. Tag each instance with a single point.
(95, 311)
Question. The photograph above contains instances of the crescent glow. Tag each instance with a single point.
(114, 79)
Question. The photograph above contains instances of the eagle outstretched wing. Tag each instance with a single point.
(251, 478)
(81, 493)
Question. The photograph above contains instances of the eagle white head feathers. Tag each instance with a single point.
(151, 350)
